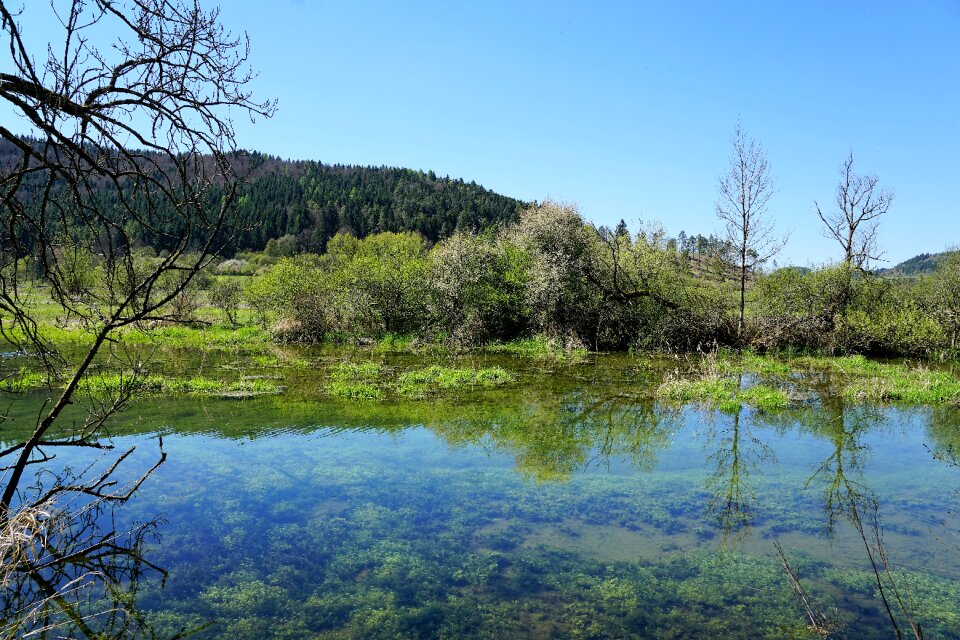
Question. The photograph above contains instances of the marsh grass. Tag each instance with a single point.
(281, 360)
(250, 338)
(723, 393)
(23, 380)
(436, 379)
(856, 378)
(897, 384)
(373, 381)
(62, 335)
(731, 362)
(154, 384)
(539, 347)
(396, 343)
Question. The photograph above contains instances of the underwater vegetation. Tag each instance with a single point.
(614, 497)
(386, 534)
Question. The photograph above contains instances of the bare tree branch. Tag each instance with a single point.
(860, 202)
(744, 194)
(129, 140)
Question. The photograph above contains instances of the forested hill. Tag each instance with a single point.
(922, 264)
(311, 201)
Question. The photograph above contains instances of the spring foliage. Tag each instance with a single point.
(552, 274)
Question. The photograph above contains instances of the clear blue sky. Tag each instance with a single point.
(626, 108)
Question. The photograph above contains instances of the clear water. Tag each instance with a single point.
(566, 505)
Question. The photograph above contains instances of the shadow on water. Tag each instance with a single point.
(571, 503)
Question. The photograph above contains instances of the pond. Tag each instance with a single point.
(568, 503)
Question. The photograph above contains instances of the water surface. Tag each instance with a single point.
(568, 504)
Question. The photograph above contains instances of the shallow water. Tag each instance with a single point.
(566, 504)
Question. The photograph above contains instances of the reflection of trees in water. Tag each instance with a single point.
(66, 569)
(737, 452)
(551, 439)
(847, 496)
(944, 430)
(839, 475)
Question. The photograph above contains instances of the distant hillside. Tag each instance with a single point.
(923, 264)
(312, 201)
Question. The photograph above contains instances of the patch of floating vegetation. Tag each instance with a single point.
(855, 378)
(372, 381)
(355, 381)
(723, 393)
(152, 384)
(539, 347)
(162, 385)
(764, 397)
(354, 390)
(356, 371)
(22, 381)
(421, 382)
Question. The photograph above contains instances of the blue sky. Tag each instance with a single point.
(627, 108)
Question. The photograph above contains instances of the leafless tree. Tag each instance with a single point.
(745, 190)
(859, 205)
(127, 137)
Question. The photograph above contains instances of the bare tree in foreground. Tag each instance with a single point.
(130, 137)
(743, 202)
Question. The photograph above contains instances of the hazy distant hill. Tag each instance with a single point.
(922, 264)
(312, 201)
